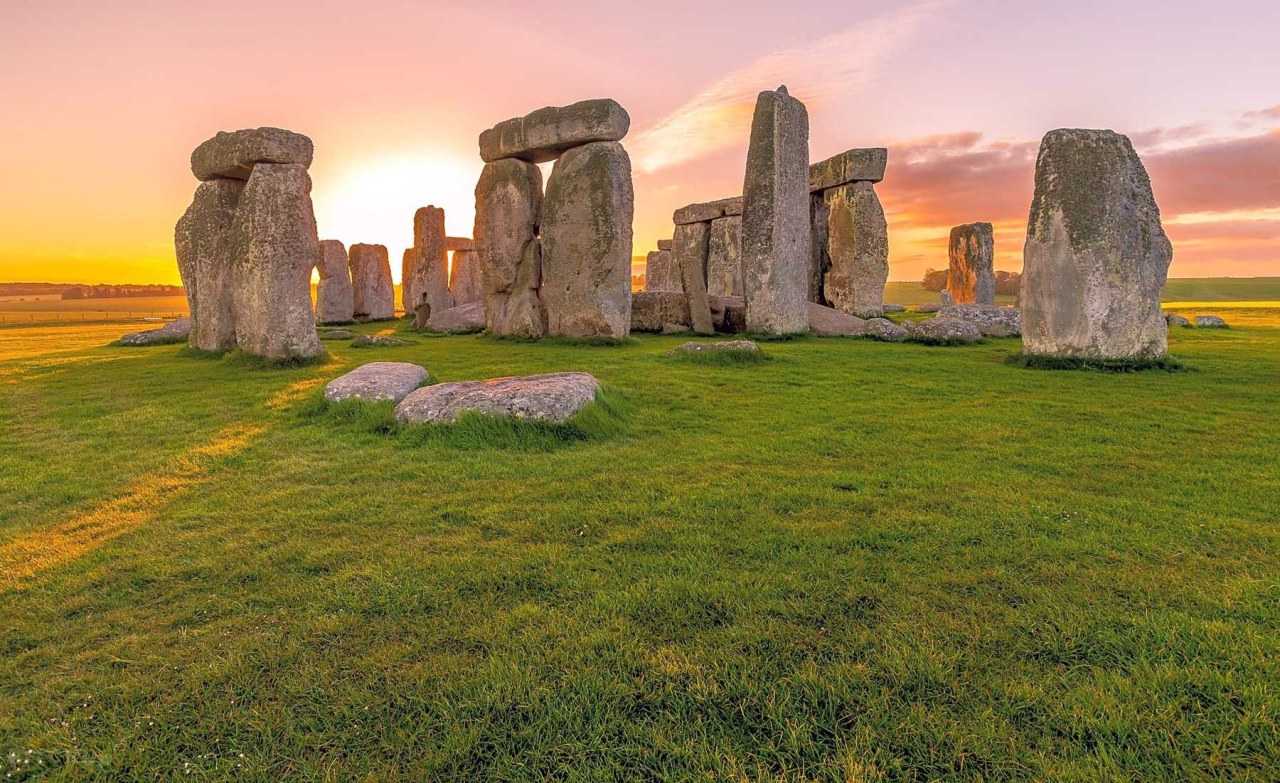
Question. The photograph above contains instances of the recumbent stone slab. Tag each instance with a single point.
(376, 381)
(545, 134)
(552, 397)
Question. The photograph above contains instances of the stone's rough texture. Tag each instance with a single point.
(894, 308)
(691, 242)
(856, 165)
(1096, 254)
(941, 330)
(466, 284)
(708, 211)
(728, 313)
(276, 248)
(206, 250)
(379, 341)
(829, 322)
(461, 319)
(1210, 322)
(927, 308)
(374, 293)
(857, 250)
(661, 273)
(727, 346)
(1173, 319)
(335, 299)
(971, 278)
(885, 330)
(724, 257)
(553, 397)
(775, 216)
(664, 244)
(659, 311)
(233, 155)
(336, 334)
(944, 298)
(508, 203)
(819, 257)
(376, 381)
(176, 331)
(586, 242)
(991, 321)
(426, 273)
(454, 244)
(546, 133)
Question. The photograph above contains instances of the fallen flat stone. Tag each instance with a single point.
(830, 322)
(1173, 319)
(992, 321)
(927, 308)
(894, 308)
(725, 346)
(659, 311)
(335, 299)
(545, 134)
(508, 203)
(971, 276)
(885, 330)
(461, 319)
(1210, 322)
(379, 341)
(857, 250)
(941, 330)
(707, 211)
(553, 397)
(176, 331)
(376, 381)
(724, 257)
(374, 293)
(232, 155)
(336, 334)
(205, 248)
(855, 165)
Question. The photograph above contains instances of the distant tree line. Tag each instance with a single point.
(1007, 283)
(120, 291)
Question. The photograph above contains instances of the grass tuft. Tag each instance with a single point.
(238, 358)
(1040, 362)
(720, 358)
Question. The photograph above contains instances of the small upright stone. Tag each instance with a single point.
(724, 257)
(232, 155)
(543, 135)
(691, 245)
(206, 254)
(971, 278)
(775, 216)
(508, 203)
(427, 277)
(660, 272)
(857, 250)
(465, 283)
(1096, 255)
(374, 293)
(335, 302)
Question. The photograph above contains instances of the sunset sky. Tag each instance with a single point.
(105, 101)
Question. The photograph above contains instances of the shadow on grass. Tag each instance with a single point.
(602, 420)
(1037, 362)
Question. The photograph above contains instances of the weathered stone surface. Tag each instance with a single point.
(379, 341)
(508, 205)
(335, 299)
(276, 248)
(991, 321)
(1210, 322)
(460, 319)
(775, 216)
(586, 242)
(373, 291)
(176, 331)
(376, 381)
(546, 133)
(819, 256)
(659, 311)
(1096, 254)
(728, 313)
(941, 330)
(724, 257)
(707, 211)
(553, 397)
(664, 244)
(894, 308)
(205, 248)
(927, 308)
(971, 277)
(830, 322)
(857, 249)
(1173, 319)
(454, 244)
(426, 272)
(885, 330)
(232, 155)
(855, 165)
(466, 284)
(336, 334)
(726, 346)
(660, 272)
(691, 243)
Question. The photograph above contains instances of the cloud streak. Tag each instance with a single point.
(829, 68)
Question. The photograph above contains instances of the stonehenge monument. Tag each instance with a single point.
(424, 276)
(775, 216)
(971, 276)
(465, 282)
(335, 302)
(374, 294)
(659, 270)
(247, 244)
(1096, 254)
(850, 247)
(559, 263)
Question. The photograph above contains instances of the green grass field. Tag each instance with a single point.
(852, 562)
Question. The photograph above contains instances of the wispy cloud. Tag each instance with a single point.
(829, 68)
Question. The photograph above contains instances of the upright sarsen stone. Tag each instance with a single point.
(660, 273)
(508, 205)
(206, 256)
(276, 248)
(775, 216)
(724, 257)
(1096, 255)
(586, 242)
(465, 283)
(857, 250)
(427, 268)
(335, 303)
(374, 292)
(971, 276)
(690, 245)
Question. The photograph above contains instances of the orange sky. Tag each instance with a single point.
(105, 103)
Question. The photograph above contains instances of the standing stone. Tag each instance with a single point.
(411, 263)
(690, 246)
(1096, 254)
(586, 242)
(276, 248)
(543, 135)
(374, 292)
(660, 272)
(724, 257)
(971, 278)
(857, 250)
(775, 217)
(508, 204)
(465, 283)
(429, 270)
(819, 258)
(205, 250)
(335, 303)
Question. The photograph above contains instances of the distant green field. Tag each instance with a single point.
(1191, 289)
